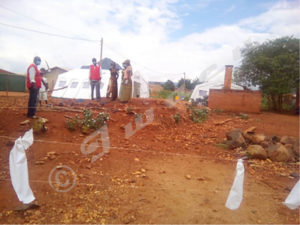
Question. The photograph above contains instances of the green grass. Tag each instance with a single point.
(166, 94)
(222, 145)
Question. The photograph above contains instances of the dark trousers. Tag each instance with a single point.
(32, 102)
(95, 83)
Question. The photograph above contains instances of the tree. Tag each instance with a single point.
(273, 66)
(169, 85)
(190, 85)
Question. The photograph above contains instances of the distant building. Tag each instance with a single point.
(12, 82)
(155, 89)
(52, 76)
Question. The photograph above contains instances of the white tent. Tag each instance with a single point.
(143, 87)
(78, 86)
(202, 90)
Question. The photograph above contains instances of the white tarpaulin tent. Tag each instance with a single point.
(202, 90)
(78, 84)
(143, 90)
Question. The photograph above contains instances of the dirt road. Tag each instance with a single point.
(164, 173)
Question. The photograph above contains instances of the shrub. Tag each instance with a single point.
(199, 115)
(176, 117)
(244, 116)
(87, 122)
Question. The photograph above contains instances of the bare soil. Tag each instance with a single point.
(164, 173)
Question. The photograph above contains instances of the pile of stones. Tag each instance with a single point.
(260, 146)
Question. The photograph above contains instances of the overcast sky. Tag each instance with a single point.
(162, 38)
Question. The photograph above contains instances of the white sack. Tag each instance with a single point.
(293, 199)
(235, 196)
(18, 168)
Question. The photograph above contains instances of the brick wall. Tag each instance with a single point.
(235, 100)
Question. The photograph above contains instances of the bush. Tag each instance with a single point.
(244, 116)
(199, 115)
(87, 122)
(176, 117)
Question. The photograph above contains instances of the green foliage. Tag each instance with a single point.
(38, 125)
(265, 105)
(165, 94)
(244, 116)
(176, 117)
(87, 122)
(137, 116)
(199, 115)
(222, 145)
(129, 110)
(71, 124)
(189, 84)
(169, 85)
(273, 66)
(219, 110)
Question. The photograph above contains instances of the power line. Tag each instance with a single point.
(28, 17)
(75, 38)
(47, 33)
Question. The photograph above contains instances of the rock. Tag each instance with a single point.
(275, 139)
(296, 149)
(255, 138)
(256, 152)
(128, 219)
(235, 139)
(288, 140)
(51, 153)
(52, 157)
(295, 175)
(188, 176)
(265, 144)
(250, 130)
(136, 159)
(143, 170)
(277, 152)
(40, 162)
(25, 122)
(43, 120)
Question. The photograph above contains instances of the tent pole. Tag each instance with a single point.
(101, 49)
(184, 82)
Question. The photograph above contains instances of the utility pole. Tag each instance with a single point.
(101, 42)
(184, 82)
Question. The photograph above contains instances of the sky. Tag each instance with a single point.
(163, 38)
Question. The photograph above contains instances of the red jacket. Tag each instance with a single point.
(37, 78)
(95, 72)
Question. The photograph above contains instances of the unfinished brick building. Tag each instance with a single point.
(234, 100)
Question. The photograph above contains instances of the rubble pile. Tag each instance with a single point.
(260, 146)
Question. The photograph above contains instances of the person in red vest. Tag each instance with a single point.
(33, 82)
(95, 78)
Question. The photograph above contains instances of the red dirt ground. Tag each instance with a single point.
(143, 179)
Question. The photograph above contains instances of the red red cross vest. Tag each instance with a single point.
(38, 77)
(95, 72)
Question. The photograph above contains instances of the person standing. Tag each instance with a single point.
(44, 88)
(126, 86)
(114, 75)
(33, 83)
(95, 78)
